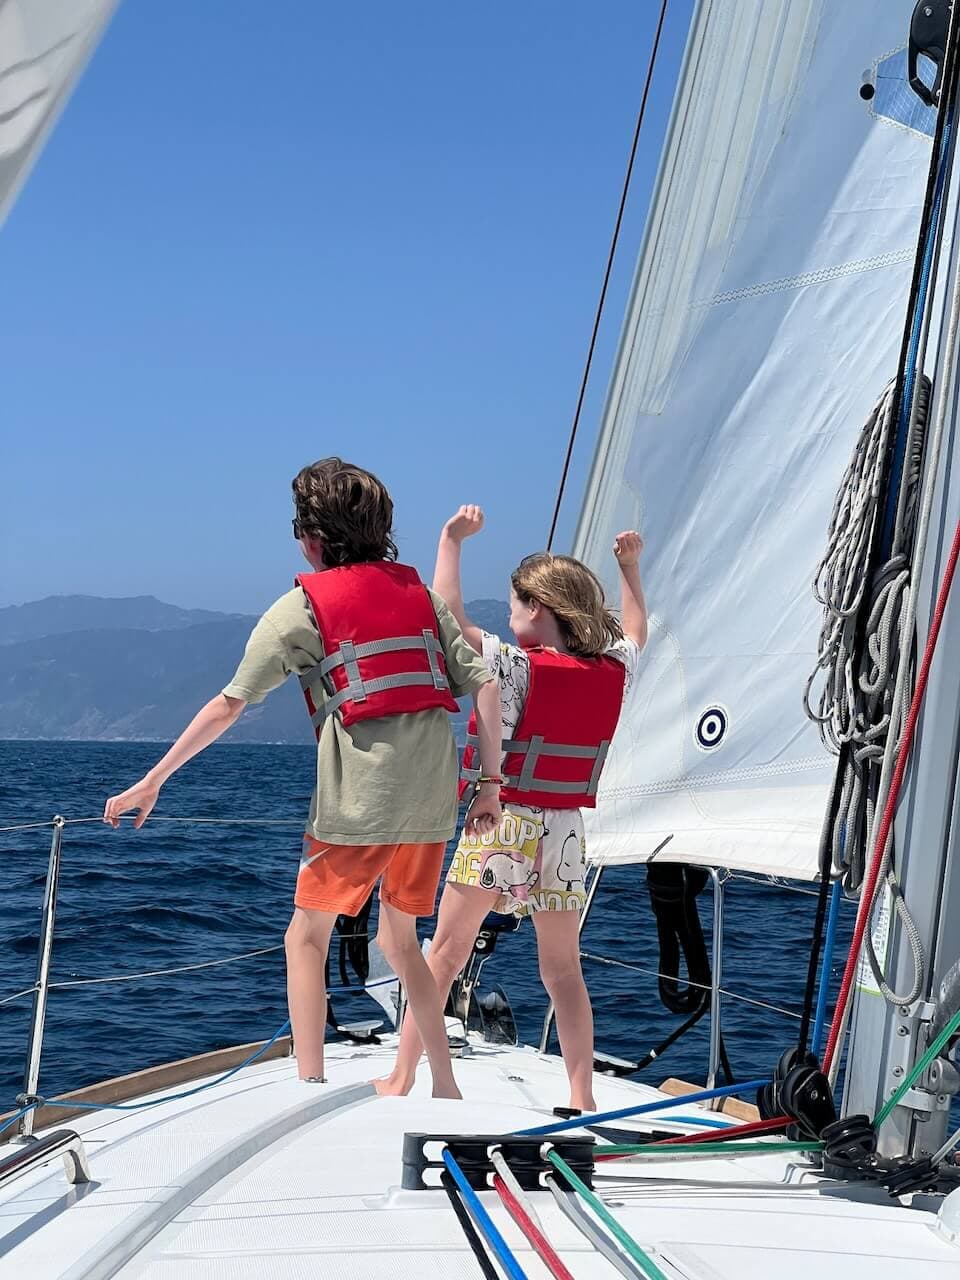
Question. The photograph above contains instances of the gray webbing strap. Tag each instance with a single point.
(349, 654)
(379, 685)
(311, 677)
(598, 767)
(431, 644)
(371, 648)
(512, 747)
(470, 773)
(355, 689)
(530, 758)
(536, 749)
(545, 784)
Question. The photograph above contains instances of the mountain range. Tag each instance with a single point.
(137, 669)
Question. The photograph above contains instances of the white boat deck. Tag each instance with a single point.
(263, 1176)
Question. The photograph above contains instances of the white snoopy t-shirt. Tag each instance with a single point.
(536, 859)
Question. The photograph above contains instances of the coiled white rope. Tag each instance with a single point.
(863, 700)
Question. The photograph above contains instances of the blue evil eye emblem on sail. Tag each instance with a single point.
(887, 93)
(711, 728)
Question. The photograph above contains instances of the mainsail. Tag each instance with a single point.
(44, 46)
(764, 321)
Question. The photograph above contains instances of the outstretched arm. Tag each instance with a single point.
(446, 574)
(207, 725)
(633, 608)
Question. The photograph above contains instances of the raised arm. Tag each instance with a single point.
(207, 725)
(633, 608)
(446, 574)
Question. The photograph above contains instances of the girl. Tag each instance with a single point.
(561, 689)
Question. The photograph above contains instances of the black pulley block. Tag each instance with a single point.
(806, 1095)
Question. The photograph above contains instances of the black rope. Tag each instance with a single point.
(725, 1066)
(354, 945)
(947, 103)
(676, 1034)
(469, 1230)
(606, 275)
(673, 890)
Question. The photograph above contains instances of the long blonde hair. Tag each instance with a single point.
(574, 596)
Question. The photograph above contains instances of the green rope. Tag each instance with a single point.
(603, 1213)
(914, 1075)
(708, 1148)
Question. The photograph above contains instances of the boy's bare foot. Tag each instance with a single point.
(389, 1087)
(583, 1104)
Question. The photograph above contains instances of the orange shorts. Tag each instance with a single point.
(339, 877)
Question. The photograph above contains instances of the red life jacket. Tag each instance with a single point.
(381, 643)
(558, 749)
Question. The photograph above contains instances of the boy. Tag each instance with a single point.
(381, 660)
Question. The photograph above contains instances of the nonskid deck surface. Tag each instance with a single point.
(264, 1176)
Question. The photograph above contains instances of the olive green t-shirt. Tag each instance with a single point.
(384, 781)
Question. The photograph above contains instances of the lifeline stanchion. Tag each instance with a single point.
(72, 1104)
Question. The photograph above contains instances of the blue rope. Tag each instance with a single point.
(704, 1095)
(828, 946)
(706, 1121)
(484, 1222)
(69, 1104)
(910, 371)
(18, 1116)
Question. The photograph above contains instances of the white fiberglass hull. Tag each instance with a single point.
(263, 1176)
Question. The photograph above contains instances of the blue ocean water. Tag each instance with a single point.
(180, 893)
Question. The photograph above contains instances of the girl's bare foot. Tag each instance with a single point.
(583, 1104)
(392, 1087)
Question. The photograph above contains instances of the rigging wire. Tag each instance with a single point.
(606, 275)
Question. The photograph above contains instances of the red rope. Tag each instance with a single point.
(883, 832)
(724, 1135)
(545, 1250)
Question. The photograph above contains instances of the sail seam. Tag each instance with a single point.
(727, 775)
(823, 276)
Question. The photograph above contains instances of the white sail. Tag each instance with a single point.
(44, 46)
(765, 319)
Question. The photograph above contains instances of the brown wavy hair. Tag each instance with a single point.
(574, 596)
(345, 508)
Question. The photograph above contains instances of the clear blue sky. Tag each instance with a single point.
(265, 233)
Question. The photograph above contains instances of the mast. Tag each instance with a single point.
(926, 833)
(886, 1038)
